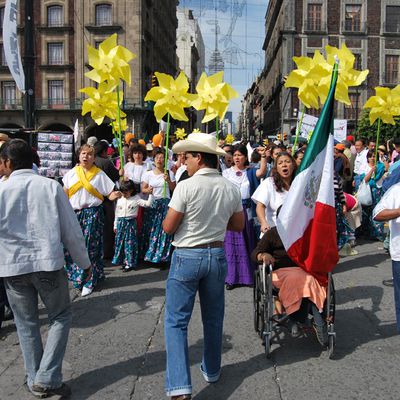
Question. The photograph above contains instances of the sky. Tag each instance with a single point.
(240, 39)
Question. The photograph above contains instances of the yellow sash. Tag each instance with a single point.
(84, 182)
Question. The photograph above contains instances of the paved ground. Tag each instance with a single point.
(116, 348)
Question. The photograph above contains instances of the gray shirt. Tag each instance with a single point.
(207, 201)
(36, 220)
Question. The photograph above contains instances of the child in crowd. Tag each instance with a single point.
(126, 242)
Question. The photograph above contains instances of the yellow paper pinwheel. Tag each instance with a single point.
(102, 102)
(347, 77)
(180, 133)
(229, 139)
(115, 125)
(309, 72)
(196, 130)
(171, 96)
(213, 96)
(110, 62)
(384, 105)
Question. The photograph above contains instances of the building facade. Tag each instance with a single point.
(62, 31)
(191, 55)
(369, 28)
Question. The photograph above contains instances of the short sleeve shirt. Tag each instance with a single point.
(156, 181)
(267, 194)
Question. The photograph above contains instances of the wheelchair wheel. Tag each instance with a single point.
(267, 345)
(268, 314)
(331, 345)
(257, 303)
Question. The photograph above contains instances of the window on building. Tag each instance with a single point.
(3, 61)
(392, 69)
(55, 16)
(55, 92)
(55, 53)
(352, 18)
(357, 61)
(314, 17)
(352, 111)
(8, 92)
(392, 18)
(103, 14)
(1, 17)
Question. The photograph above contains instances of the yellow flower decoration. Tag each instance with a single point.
(102, 102)
(309, 72)
(385, 105)
(213, 96)
(347, 77)
(171, 96)
(115, 125)
(196, 130)
(229, 139)
(180, 133)
(110, 62)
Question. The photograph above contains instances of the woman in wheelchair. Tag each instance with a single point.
(300, 294)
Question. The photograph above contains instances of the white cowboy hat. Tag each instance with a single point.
(201, 142)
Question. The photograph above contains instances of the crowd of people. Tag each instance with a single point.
(134, 211)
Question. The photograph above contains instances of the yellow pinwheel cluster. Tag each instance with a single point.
(171, 96)
(180, 133)
(102, 102)
(384, 105)
(229, 139)
(115, 125)
(213, 96)
(313, 76)
(196, 130)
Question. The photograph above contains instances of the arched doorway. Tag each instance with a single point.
(14, 131)
(57, 128)
(103, 131)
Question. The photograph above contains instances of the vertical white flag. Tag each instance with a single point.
(77, 134)
(10, 43)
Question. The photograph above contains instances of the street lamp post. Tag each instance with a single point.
(29, 65)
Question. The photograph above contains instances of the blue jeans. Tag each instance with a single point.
(43, 366)
(396, 284)
(193, 270)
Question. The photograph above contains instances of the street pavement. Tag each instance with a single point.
(116, 344)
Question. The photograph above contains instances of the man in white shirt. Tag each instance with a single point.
(201, 210)
(361, 162)
(388, 209)
(36, 219)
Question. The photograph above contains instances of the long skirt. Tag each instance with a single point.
(159, 249)
(344, 233)
(369, 227)
(147, 224)
(126, 243)
(92, 224)
(294, 284)
(238, 247)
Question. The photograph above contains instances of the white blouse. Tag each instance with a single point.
(239, 178)
(267, 194)
(128, 207)
(82, 198)
(157, 183)
(135, 172)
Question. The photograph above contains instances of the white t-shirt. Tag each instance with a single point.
(361, 163)
(390, 201)
(267, 194)
(180, 171)
(82, 198)
(157, 183)
(239, 179)
(128, 207)
(135, 172)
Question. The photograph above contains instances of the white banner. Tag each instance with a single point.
(309, 123)
(10, 43)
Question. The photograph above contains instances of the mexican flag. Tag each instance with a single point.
(307, 219)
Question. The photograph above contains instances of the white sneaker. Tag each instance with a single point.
(86, 291)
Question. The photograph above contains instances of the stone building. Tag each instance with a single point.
(370, 29)
(63, 29)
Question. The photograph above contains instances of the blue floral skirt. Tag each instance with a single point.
(344, 233)
(159, 248)
(92, 223)
(126, 244)
(144, 237)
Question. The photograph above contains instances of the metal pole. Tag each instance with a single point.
(29, 67)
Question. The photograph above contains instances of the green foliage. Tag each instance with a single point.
(388, 131)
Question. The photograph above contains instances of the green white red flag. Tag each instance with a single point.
(307, 219)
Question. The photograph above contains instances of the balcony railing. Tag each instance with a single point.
(15, 104)
(76, 104)
(393, 28)
(354, 27)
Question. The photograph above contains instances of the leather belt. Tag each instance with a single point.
(211, 245)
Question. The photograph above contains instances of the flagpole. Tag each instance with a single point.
(29, 65)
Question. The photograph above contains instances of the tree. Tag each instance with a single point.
(388, 131)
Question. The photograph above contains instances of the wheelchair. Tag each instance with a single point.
(267, 323)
